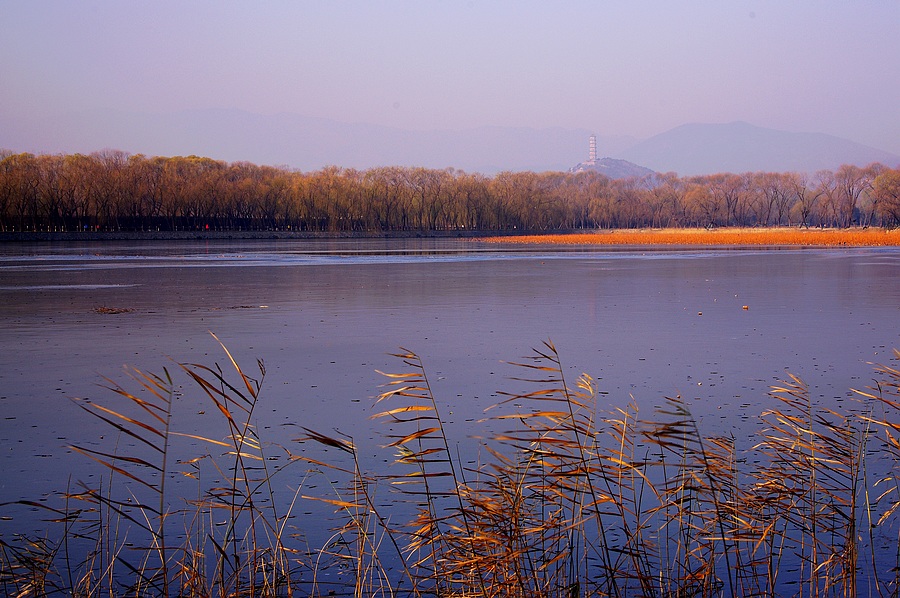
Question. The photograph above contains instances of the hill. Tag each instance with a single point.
(613, 168)
(694, 149)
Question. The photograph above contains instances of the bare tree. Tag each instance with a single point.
(830, 192)
(868, 202)
(886, 187)
(851, 182)
(806, 193)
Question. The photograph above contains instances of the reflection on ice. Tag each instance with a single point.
(65, 287)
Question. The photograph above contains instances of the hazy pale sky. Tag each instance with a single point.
(617, 68)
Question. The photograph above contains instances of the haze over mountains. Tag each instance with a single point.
(307, 143)
(741, 147)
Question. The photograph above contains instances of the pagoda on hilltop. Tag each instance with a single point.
(610, 167)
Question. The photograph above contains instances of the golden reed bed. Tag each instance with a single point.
(870, 237)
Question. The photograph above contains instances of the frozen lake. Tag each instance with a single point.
(324, 315)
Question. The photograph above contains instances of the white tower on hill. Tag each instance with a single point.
(592, 152)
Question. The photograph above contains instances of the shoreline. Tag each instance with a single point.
(203, 235)
(736, 237)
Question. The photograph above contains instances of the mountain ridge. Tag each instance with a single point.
(303, 142)
(709, 148)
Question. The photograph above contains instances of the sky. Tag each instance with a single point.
(635, 68)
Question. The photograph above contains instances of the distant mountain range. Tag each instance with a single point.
(741, 147)
(307, 143)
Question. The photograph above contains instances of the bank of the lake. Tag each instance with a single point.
(229, 235)
(724, 237)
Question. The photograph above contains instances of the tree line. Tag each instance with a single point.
(116, 191)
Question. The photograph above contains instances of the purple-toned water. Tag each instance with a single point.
(717, 327)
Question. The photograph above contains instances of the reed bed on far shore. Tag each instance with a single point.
(815, 237)
(565, 501)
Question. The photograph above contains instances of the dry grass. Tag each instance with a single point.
(103, 309)
(869, 237)
(567, 502)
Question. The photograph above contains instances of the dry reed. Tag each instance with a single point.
(859, 237)
(567, 503)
